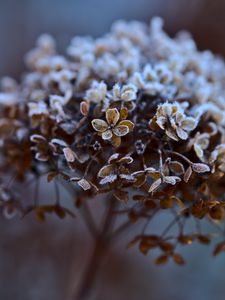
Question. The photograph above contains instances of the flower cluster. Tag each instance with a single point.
(134, 115)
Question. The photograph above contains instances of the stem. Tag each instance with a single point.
(100, 248)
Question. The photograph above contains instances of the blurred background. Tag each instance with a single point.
(42, 262)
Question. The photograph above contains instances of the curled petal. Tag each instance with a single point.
(112, 116)
(140, 178)
(126, 160)
(121, 130)
(161, 121)
(171, 134)
(155, 185)
(182, 133)
(107, 135)
(171, 179)
(99, 125)
(113, 158)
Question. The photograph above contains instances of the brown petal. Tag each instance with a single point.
(112, 116)
(155, 185)
(126, 160)
(116, 141)
(139, 179)
(84, 108)
(105, 171)
(123, 113)
(127, 123)
(121, 130)
(176, 167)
(99, 125)
(171, 134)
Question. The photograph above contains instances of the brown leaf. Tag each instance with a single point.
(186, 239)
(140, 198)
(178, 259)
(203, 239)
(161, 260)
(166, 246)
(40, 214)
(216, 212)
(219, 248)
(59, 211)
(121, 195)
(166, 203)
(150, 204)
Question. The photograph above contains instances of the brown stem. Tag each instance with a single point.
(88, 280)
(101, 245)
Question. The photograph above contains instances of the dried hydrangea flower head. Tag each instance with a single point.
(134, 116)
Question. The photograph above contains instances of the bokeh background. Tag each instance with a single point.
(42, 262)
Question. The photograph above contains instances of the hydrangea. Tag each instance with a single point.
(134, 116)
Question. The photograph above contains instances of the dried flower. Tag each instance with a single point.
(171, 118)
(133, 116)
(115, 169)
(114, 128)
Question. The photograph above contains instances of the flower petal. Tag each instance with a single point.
(121, 130)
(155, 185)
(116, 140)
(107, 135)
(139, 179)
(112, 116)
(189, 123)
(127, 123)
(171, 179)
(123, 113)
(171, 134)
(105, 171)
(181, 133)
(108, 179)
(113, 158)
(99, 125)
(126, 160)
